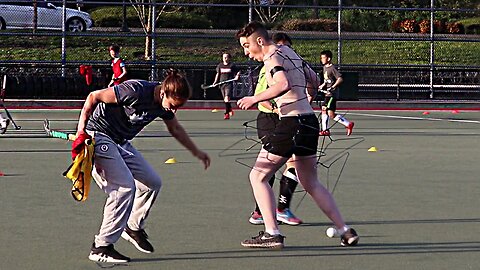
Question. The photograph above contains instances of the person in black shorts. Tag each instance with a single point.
(226, 70)
(295, 136)
(332, 78)
(267, 120)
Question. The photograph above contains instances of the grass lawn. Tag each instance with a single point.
(84, 48)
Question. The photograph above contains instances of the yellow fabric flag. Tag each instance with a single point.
(80, 172)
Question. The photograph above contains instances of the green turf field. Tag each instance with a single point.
(414, 202)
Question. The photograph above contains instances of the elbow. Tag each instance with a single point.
(286, 87)
(93, 98)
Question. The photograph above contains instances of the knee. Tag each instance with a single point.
(156, 183)
(258, 177)
(126, 191)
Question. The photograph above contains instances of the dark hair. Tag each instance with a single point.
(176, 86)
(277, 37)
(327, 53)
(253, 27)
(229, 55)
(114, 48)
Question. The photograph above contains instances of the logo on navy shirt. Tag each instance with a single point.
(136, 118)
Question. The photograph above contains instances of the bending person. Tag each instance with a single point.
(113, 116)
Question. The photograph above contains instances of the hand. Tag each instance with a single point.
(79, 143)
(204, 158)
(246, 102)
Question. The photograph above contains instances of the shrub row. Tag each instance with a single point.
(112, 17)
(353, 20)
(423, 26)
(405, 26)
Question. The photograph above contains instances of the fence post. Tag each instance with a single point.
(432, 46)
(64, 45)
(153, 58)
(124, 27)
(250, 11)
(339, 32)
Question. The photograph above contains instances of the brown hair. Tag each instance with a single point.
(176, 86)
(114, 48)
(253, 27)
(277, 37)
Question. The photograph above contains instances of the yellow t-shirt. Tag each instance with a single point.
(262, 86)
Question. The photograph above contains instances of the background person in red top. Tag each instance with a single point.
(118, 66)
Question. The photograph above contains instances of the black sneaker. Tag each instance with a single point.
(349, 238)
(139, 239)
(107, 254)
(4, 126)
(265, 240)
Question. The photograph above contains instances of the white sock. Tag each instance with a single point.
(324, 121)
(290, 175)
(341, 120)
(273, 232)
(342, 230)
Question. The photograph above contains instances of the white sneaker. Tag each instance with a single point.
(107, 254)
(4, 125)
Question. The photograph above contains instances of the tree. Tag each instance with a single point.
(265, 10)
(144, 9)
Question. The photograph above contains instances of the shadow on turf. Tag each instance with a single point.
(304, 251)
(405, 221)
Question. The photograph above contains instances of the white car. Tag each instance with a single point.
(20, 15)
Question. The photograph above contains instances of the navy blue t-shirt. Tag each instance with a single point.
(135, 108)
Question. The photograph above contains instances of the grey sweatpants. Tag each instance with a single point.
(131, 184)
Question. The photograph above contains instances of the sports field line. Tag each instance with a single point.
(416, 118)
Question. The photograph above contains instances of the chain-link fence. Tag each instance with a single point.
(388, 51)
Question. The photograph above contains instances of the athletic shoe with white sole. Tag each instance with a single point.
(324, 132)
(286, 216)
(350, 128)
(106, 254)
(265, 240)
(349, 238)
(139, 239)
(4, 125)
(256, 218)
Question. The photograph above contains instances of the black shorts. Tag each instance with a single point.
(294, 135)
(226, 89)
(266, 124)
(330, 103)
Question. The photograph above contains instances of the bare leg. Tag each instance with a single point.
(265, 166)
(307, 175)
